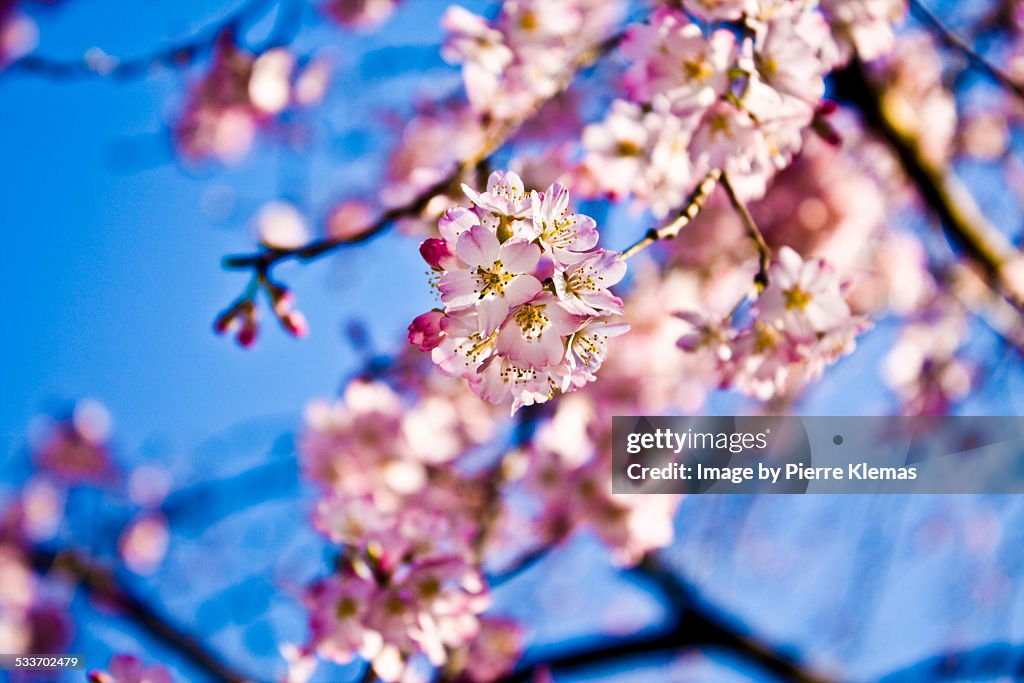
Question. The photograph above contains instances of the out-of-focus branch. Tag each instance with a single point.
(697, 626)
(995, 660)
(102, 584)
(941, 191)
(97, 63)
(694, 204)
(263, 261)
(959, 44)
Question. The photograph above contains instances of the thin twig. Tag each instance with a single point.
(764, 252)
(956, 42)
(98, 64)
(694, 204)
(104, 585)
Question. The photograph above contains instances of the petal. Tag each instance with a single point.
(458, 288)
(519, 256)
(478, 246)
(562, 321)
(456, 221)
(493, 310)
(521, 289)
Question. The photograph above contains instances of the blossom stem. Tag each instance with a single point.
(690, 210)
(957, 43)
(764, 252)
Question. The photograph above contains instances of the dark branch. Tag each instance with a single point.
(102, 65)
(697, 627)
(104, 585)
(957, 43)
(960, 216)
(263, 261)
(996, 660)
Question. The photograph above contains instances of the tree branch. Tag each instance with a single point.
(957, 43)
(942, 192)
(98, 64)
(985, 661)
(693, 206)
(264, 260)
(104, 585)
(697, 626)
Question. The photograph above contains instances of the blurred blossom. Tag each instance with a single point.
(512, 63)
(349, 218)
(985, 135)
(144, 542)
(129, 669)
(148, 485)
(75, 450)
(495, 651)
(280, 225)
(923, 367)
(269, 86)
(360, 14)
(42, 509)
(916, 98)
(18, 34)
(239, 94)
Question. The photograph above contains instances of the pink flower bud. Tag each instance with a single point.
(436, 253)
(295, 323)
(426, 330)
(250, 328)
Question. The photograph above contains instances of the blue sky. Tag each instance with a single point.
(111, 278)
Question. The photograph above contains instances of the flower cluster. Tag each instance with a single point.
(527, 306)
(408, 586)
(800, 325)
(520, 58)
(241, 93)
(734, 94)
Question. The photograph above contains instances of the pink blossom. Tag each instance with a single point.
(339, 606)
(502, 330)
(670, 40)
(582, 287)
(802, 297)
(360, 14)
(426, 330)
(495, 650)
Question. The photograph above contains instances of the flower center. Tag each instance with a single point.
(797, 298)
(347, 608)
(698, 69)
(531, 320)
(628, 148)
(492, 279)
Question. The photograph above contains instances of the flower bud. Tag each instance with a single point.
(437, 253)
(426, 330)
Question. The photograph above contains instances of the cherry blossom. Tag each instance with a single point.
(519, 276)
